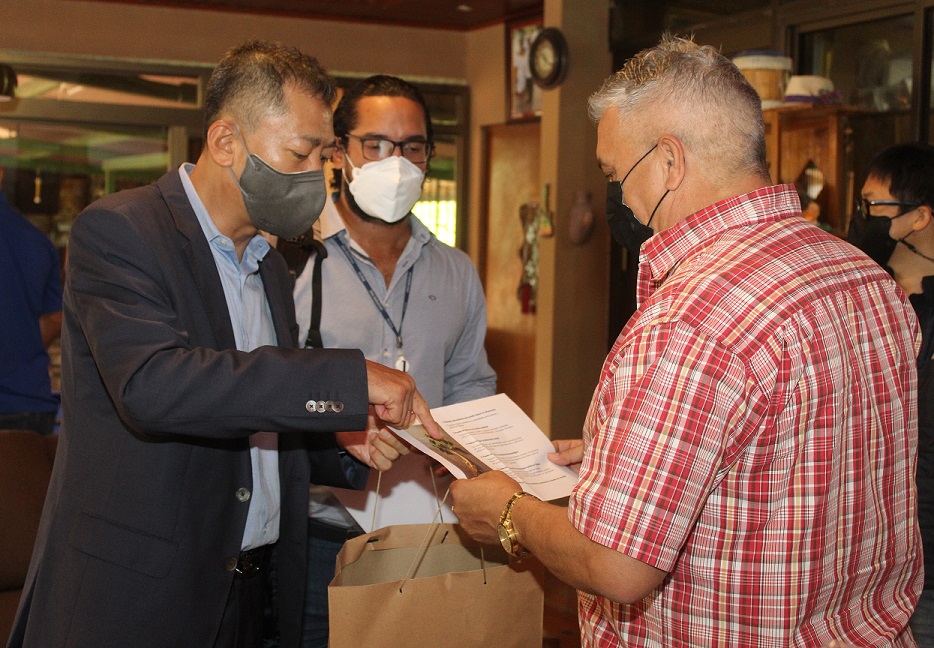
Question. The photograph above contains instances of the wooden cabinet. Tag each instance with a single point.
(840, 140)
(799, 135)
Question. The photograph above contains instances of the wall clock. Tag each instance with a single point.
(548, 58)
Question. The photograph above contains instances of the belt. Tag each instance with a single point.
(330, 532)
(251, 562)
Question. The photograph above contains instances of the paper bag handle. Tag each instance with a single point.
(434, 486)
(423, 547)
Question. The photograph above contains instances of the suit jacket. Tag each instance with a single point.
(150, 490)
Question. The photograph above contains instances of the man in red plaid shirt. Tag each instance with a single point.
(748, 459)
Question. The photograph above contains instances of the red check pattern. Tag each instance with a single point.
(754, 433)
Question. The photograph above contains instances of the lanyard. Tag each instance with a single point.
(376, 301)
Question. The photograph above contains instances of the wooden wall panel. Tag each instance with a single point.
(512, 170)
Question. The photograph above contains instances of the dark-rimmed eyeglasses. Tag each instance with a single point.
(379, 148)
(864, 207)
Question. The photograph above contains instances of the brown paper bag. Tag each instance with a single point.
(391, 589)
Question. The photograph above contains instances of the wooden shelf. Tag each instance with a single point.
(800, 133)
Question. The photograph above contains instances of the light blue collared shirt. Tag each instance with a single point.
(443, 331)
(445, 321)
(252, 326)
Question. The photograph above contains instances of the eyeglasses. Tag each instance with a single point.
(378, 148)
(864, 208)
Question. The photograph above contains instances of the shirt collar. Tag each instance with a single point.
(332, 225)
(663, 252)
(256, 249)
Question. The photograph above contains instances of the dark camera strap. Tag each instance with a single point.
(314, 326)
(297, 252)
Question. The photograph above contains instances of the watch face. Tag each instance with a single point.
(504, 538)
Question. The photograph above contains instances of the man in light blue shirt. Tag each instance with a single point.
(389, 287)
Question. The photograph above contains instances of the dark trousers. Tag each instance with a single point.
(324, 543)
(245, 620)
(922, 622)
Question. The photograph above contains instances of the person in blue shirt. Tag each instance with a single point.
(31, 303)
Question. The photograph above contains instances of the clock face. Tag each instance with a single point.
(544, 59)
(549, 58)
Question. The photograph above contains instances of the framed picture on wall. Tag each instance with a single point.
(524, 96)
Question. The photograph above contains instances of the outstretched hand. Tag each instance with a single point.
(395, 399)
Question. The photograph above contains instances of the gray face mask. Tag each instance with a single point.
(283, 204)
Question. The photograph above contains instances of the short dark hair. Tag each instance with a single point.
(380, 85)
(908, 169)
(249, 82)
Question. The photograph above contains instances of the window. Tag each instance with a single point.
(120, 88)
(81, 128)
(870, 63)
(52, 171)
(438, 209)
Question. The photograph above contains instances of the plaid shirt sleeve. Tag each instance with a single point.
(668, 407)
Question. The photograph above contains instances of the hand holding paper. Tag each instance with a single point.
(489, 434)
(568, 452)
(478, 437)
(479, 502)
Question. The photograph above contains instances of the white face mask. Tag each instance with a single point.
(386, 189)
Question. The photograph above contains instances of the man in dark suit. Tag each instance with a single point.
(184, 462)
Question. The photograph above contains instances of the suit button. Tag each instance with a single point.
(322, 406)
(311, 406)
(230, 564)
(337, 406)
(243, 494)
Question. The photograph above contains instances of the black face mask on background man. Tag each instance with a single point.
(871, 235)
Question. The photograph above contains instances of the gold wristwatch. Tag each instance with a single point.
(507, 533)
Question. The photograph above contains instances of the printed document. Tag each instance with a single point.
(494, 433)
(490, 433)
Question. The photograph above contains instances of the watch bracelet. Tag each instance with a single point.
(508, 508)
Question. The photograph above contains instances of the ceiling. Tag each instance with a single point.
(439, 14)
(463, 14)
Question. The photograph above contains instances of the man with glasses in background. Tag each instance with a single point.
(896, 207)
(389, 288)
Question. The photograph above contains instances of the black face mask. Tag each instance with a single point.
(871, 235)
(625, 228)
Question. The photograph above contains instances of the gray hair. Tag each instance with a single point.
(250, 79)
(696, 94)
